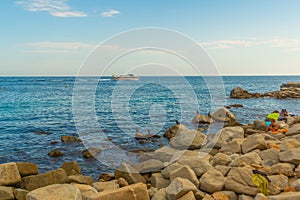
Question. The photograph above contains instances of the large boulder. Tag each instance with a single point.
(129, 173)
(136, 191)
(202, 119)
(6, 193)
(232, 147)
(185, 172)
(9, 174)
(56, 191)
(278, 183)
(71, 168)
(240, 93)
(179, 187)
(174, 130)
(212, 181)
(158, 181)
(164, 154)
(33, 182)
(27, 168)
(223, 115)
(80, 179)
(149, 166)
(289, 144)
(286, 196)
(294, 130)
(254, 142)
(239, 180)
(104, 186)
(249, 158)
(192, 139)
(290, 156)
(269, 154)
(260, 125)
(221, 159)
(160, 195)
(167, 170)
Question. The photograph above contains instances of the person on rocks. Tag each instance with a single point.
(272, 127)
(283, 115)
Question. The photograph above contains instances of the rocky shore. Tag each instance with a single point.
(194, 166)
(287, 90)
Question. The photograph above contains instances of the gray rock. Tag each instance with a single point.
(129, 173)
(27, 168)
(167, 171)
(212, 181)
(158, 181)
(294, 130)
(191, 139)
(179, 187)
(160, 195)
(185, 172)
(239, 180)
(286, 169)
(249, 158)
(149, 166)
(56, 191)
(290, 156)
(9, 174)
(260, 125)
(286, 196)
(6, 193)
(221, 159)
(269, 154)
(254, 142)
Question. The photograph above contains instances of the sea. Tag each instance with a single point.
(79, 106)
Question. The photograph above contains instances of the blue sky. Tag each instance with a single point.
(53, 37)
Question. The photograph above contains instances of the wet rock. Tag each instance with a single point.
(212, 181)
(90, 152)
(71, 168)
(43, 133)
(106, 177)
(254, 142)
(290, 156)
(80, 179)
(192, 139)
(239, 180)
(179, 187)
(55, 153)
(149, 166)
(68, 138)
(27, 168)
(202, 119)
(135, 191)
(260, 125)
(108, 185)
(20, 194)
(36, 181)
(221, 159)
(174, 130)
(56, 191)
(9, 174)
(6, 193)
(249, 158)
(185, 172)
(158, 181)
(129, 173)
(286, 196)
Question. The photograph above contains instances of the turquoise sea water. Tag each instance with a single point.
(32, 104)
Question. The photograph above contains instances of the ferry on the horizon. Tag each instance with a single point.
(128, 77)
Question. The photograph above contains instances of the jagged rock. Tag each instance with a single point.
(289, 144)
(106, 177)
(108, 185)
(223, 169)
(249, 158)
(260, 125)
(221, 159)
(232, 147)
(188, 196)
(136, 191)
(198, 165)
(55, 153)
(158, 181)
(129, 173)
(9, 174)
(286, 196)
(56, 191)
(290, 156)
(6, 193)
(278, 183)
(286, 169)
(167, 170)
(149, 166)
(20, 194)
(80, 179)
(192, 139)
(185, 172)
(36, 181)
(223, 115)
(71, 168)
(68, 138)
(239, 180)
(179, 187)
(212, 181)
(254, 142)
(269, 154)
(27, 168)
(160, 195)
(202, 119)
(174, 130)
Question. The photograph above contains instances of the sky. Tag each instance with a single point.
(55, 37)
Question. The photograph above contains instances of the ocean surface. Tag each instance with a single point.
(114, 109)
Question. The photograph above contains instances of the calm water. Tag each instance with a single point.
(32, 104)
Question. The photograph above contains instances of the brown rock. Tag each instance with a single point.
(9, 174)
(122, 182)
(6, 193)
(71, 168)
(55, 153)
(174, 130)
(212, 181)
(254, 142)
(188, 196)
(179, 187)
(106, 177)
(68, 138)
(185, 172)
(158, 181)
(27, 168)
(129, 173)
(80, 179)
(20, 194)
(103, 186)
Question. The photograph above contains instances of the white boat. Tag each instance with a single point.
(127, 77)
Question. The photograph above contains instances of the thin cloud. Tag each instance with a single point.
(110, 13)
(275, 42)
(57, 8)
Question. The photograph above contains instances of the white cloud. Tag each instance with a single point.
(57, 8)
(57, 47)
(276, 42)
(110, 13)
